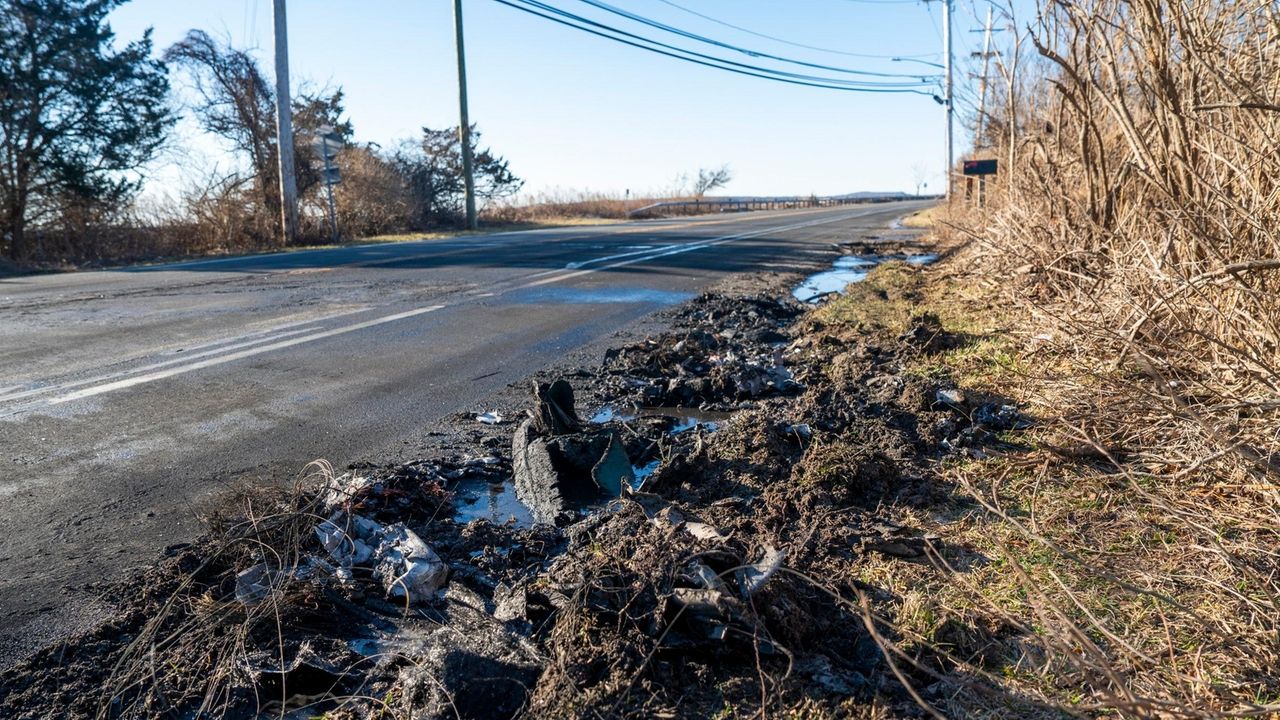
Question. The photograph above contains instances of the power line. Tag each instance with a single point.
(654, 46)
(922, 78)
(752, 53)
(790, 42)
(722, 61)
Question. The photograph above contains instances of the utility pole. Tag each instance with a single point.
(464, 126)
(284, 129)
(948, 100)
(982, 93)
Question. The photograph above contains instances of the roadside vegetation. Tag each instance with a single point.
(1121, 282)
(86, 116)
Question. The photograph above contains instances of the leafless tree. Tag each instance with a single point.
(237, 103)
(710, 179)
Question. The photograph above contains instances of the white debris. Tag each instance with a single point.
(703, 531)
(753, 577)
(253, 584)
(493, 417)
(801, 430)
(405, 564)
(344, 542)
(345, 488)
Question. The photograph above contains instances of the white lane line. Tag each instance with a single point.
(214, 347)
(676, 250)
(222, 359)
(58, 387)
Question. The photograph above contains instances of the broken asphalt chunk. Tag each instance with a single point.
(559, 466)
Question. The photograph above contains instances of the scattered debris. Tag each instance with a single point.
(490, 418)
(253, 584)
(614, 469)
(405, 565)
(753, 577)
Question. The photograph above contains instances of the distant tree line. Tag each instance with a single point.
(80, 119)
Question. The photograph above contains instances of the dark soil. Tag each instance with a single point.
(725, 586)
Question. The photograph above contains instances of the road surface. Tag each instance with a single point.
(128, 396)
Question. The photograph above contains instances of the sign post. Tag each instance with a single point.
(980, 168)
(329, 143)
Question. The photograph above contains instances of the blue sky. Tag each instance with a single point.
(572, 111)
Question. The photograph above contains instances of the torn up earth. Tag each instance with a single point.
(650, 567)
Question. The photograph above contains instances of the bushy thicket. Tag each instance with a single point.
(1135, 225)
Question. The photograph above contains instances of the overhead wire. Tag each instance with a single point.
(575, 20)
(547, 12)
(792, 43)
(872, 83)
(751, 53)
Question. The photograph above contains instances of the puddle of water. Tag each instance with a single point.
(685, 419)
(475, 498)
(584, 296)
(644, 471)
(846, 270)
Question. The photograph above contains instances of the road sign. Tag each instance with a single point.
(329, 147)
(979, 167)
(328, 142)
(333, 175)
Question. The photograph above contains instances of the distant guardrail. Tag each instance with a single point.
(746, 204)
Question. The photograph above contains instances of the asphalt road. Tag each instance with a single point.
(129, 396)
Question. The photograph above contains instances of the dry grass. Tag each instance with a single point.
(923, 219)
(564, 206)
(1128, 562)
(1125, 571)
(1131, 243)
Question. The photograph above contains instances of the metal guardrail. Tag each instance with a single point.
(713, 205)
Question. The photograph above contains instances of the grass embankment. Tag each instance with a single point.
(1116, 573)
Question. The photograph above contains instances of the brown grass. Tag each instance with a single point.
(1127, 264)
(1129, 562)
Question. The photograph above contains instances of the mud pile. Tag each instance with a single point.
(729, 351)
(719, 577)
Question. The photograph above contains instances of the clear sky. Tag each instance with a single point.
(573, 111)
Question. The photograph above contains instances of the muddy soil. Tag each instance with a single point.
(722, 582)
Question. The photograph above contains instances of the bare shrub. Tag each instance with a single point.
(1134, 223)
(373, 198)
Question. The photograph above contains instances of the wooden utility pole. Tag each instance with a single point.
(948, 100)
(284, 129)
(982, 93)
(464, 125)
